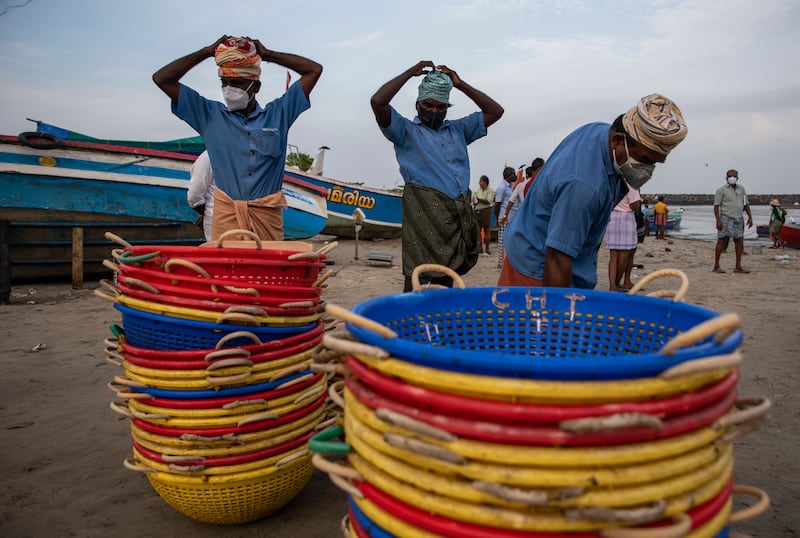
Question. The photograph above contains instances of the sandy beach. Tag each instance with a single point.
(62, 447)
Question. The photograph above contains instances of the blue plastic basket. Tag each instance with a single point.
(156, 331)
(369, 526)
(538, 333)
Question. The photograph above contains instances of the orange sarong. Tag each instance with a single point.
(263, 216)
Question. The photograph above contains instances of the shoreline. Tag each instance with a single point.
(63, 447)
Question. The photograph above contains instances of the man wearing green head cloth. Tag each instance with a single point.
(439, 224)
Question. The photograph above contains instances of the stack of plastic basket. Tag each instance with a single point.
(215, 347)
(536, 412)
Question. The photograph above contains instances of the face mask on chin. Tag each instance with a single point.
(236, 98)
(430, 118)
(634, 173)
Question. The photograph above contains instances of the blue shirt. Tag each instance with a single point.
(502, 195)
(436, 159)
(247, 154)
(567, 208)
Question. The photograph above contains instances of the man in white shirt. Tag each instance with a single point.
(200, 194)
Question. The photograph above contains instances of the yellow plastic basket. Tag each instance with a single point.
(234, 498)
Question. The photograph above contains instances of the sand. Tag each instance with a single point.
(62, 447)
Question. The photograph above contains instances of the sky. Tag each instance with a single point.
(554, 65)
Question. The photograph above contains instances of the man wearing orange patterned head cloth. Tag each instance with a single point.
(554, 237)
(246, 142)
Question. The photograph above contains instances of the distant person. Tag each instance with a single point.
(660, 212)
(777, 218)
(553, 240)
(621, 240)
(246, 143)
(439, 224)
(521, 189)
(730, 201)
(502, 195)
(200, 193)
(483, 199)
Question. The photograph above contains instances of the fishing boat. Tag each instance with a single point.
(790, 234)
(673, 220)
(381, 209)
(50, 187)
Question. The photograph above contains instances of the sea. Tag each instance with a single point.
(698, 223)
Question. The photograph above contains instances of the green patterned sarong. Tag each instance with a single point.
(438, 229)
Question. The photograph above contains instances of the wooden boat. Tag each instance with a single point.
(790, 234)
(139, 193)
(381, 208)
(673, 219)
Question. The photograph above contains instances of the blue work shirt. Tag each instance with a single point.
(568, 206)
(247, 154)
(436, 159)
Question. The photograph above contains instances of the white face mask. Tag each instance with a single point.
(732, 180)
(236, 98)
(632, 171)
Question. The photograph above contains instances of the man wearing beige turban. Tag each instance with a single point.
(246, 142)
(439, 224)
(553, 239)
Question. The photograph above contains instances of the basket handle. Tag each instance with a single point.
(723, 325)
(116, 253)
(434, 267)
(237, 334)
(289, 370)
(530, 497)
(246, 309)
(682, 525)
(361, 321)
(227, 352)
(120, 408)
(242, 291)
(119, 380)
(227, 363)
(257, 417)
(130, 281)
(108, 264)
(340, 475)
(295, 381)
(127, 395)
(679, 295)
(247, 233)
(217, 381)
(185, 263)
(752, 410)
(757, 509)
(243, 403)
(321, 442)
(238, 318)
(133, 465)
(424, 449)
(303, 256)
(128, 257)
(109, 286)
(308, 394)
(335, 393)
(112, 357)
(333, 368)
(611, 422)
(717, 362)
(105, 295)
(292, 457)
(327, 247)
(411, 424)
(114, 238)
(322, 278)
(297, 304)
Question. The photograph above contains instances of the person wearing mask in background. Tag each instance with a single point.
(439, 224)
(777, 218)
(730, 201)
(246, 142)
(621, 241)
(554, 238)
(660, 212)
(521, 189)
(501, 197)
(483, 200)
(200, 193)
